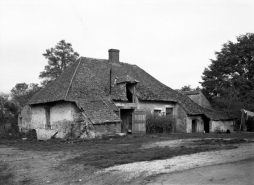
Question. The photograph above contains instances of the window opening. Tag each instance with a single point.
(169, 111)
(129, 95)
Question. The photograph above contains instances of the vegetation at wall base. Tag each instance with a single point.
(156, 123)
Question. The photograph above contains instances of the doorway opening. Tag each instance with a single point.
(206, 125)
(194, 126)
(126, 117)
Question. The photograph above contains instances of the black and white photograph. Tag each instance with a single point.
(126, 92)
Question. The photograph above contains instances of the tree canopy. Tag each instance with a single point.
(8, 110)
(187, 88)
(22, 92)
(59, 58)
(229, 81)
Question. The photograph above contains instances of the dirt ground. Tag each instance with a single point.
(241, 172)
(125, 160)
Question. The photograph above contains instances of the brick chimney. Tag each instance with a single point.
(113, 55)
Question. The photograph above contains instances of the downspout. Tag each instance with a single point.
(110, 74)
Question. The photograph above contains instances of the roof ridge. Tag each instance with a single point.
(90, 58)
(72, 78)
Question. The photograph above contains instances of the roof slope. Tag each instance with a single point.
(216, 115)
(80, 85)
(87, 82)
(147, 88)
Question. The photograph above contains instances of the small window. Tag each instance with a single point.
(157, 111)
(169, 111)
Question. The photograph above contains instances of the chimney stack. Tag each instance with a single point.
(113, 55)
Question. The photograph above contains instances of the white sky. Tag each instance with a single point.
(171, 40)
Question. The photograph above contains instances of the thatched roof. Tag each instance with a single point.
(86, 82)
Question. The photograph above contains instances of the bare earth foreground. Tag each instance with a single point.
(200, 159)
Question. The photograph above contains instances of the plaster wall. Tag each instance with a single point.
(24, 119)
(38, 117)
(199, 121)
(66, 120)
(180, 119)
(62, 120)
(223, 125)
(151, 105)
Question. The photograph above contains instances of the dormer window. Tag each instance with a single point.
(129, 94)
(129, 84)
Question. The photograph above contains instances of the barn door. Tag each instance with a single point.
(139, 122)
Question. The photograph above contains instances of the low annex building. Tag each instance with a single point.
(93, 97)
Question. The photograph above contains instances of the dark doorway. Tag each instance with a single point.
(129, 92)
(47, 112)
(194, 126)
(126, 117)
(206, 125)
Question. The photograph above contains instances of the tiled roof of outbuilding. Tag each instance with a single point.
(216, 115)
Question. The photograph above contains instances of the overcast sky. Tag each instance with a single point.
(171, 40)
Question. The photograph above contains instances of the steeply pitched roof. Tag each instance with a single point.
(87, 82)
(79, 84)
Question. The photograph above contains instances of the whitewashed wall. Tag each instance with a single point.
(223, 125)
(151, 105)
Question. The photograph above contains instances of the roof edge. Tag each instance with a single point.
(72, 78)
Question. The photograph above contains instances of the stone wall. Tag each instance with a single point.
(107, 128)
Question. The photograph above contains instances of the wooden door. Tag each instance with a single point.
(139, 122)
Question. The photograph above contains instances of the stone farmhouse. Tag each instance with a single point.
(94, 97)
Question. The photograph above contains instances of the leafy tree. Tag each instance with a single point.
(59, 58)
(8, 110)
(22, 92)
(229, 81)
(187, 88)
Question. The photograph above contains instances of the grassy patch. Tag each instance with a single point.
(5, 176)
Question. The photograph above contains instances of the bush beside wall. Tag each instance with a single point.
(156, 123)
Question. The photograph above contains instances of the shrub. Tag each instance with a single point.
(156, 123)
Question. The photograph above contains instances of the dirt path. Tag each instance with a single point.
(137, 173)
(241, 172)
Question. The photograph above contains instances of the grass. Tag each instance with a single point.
(110, 151)
(5, 176)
